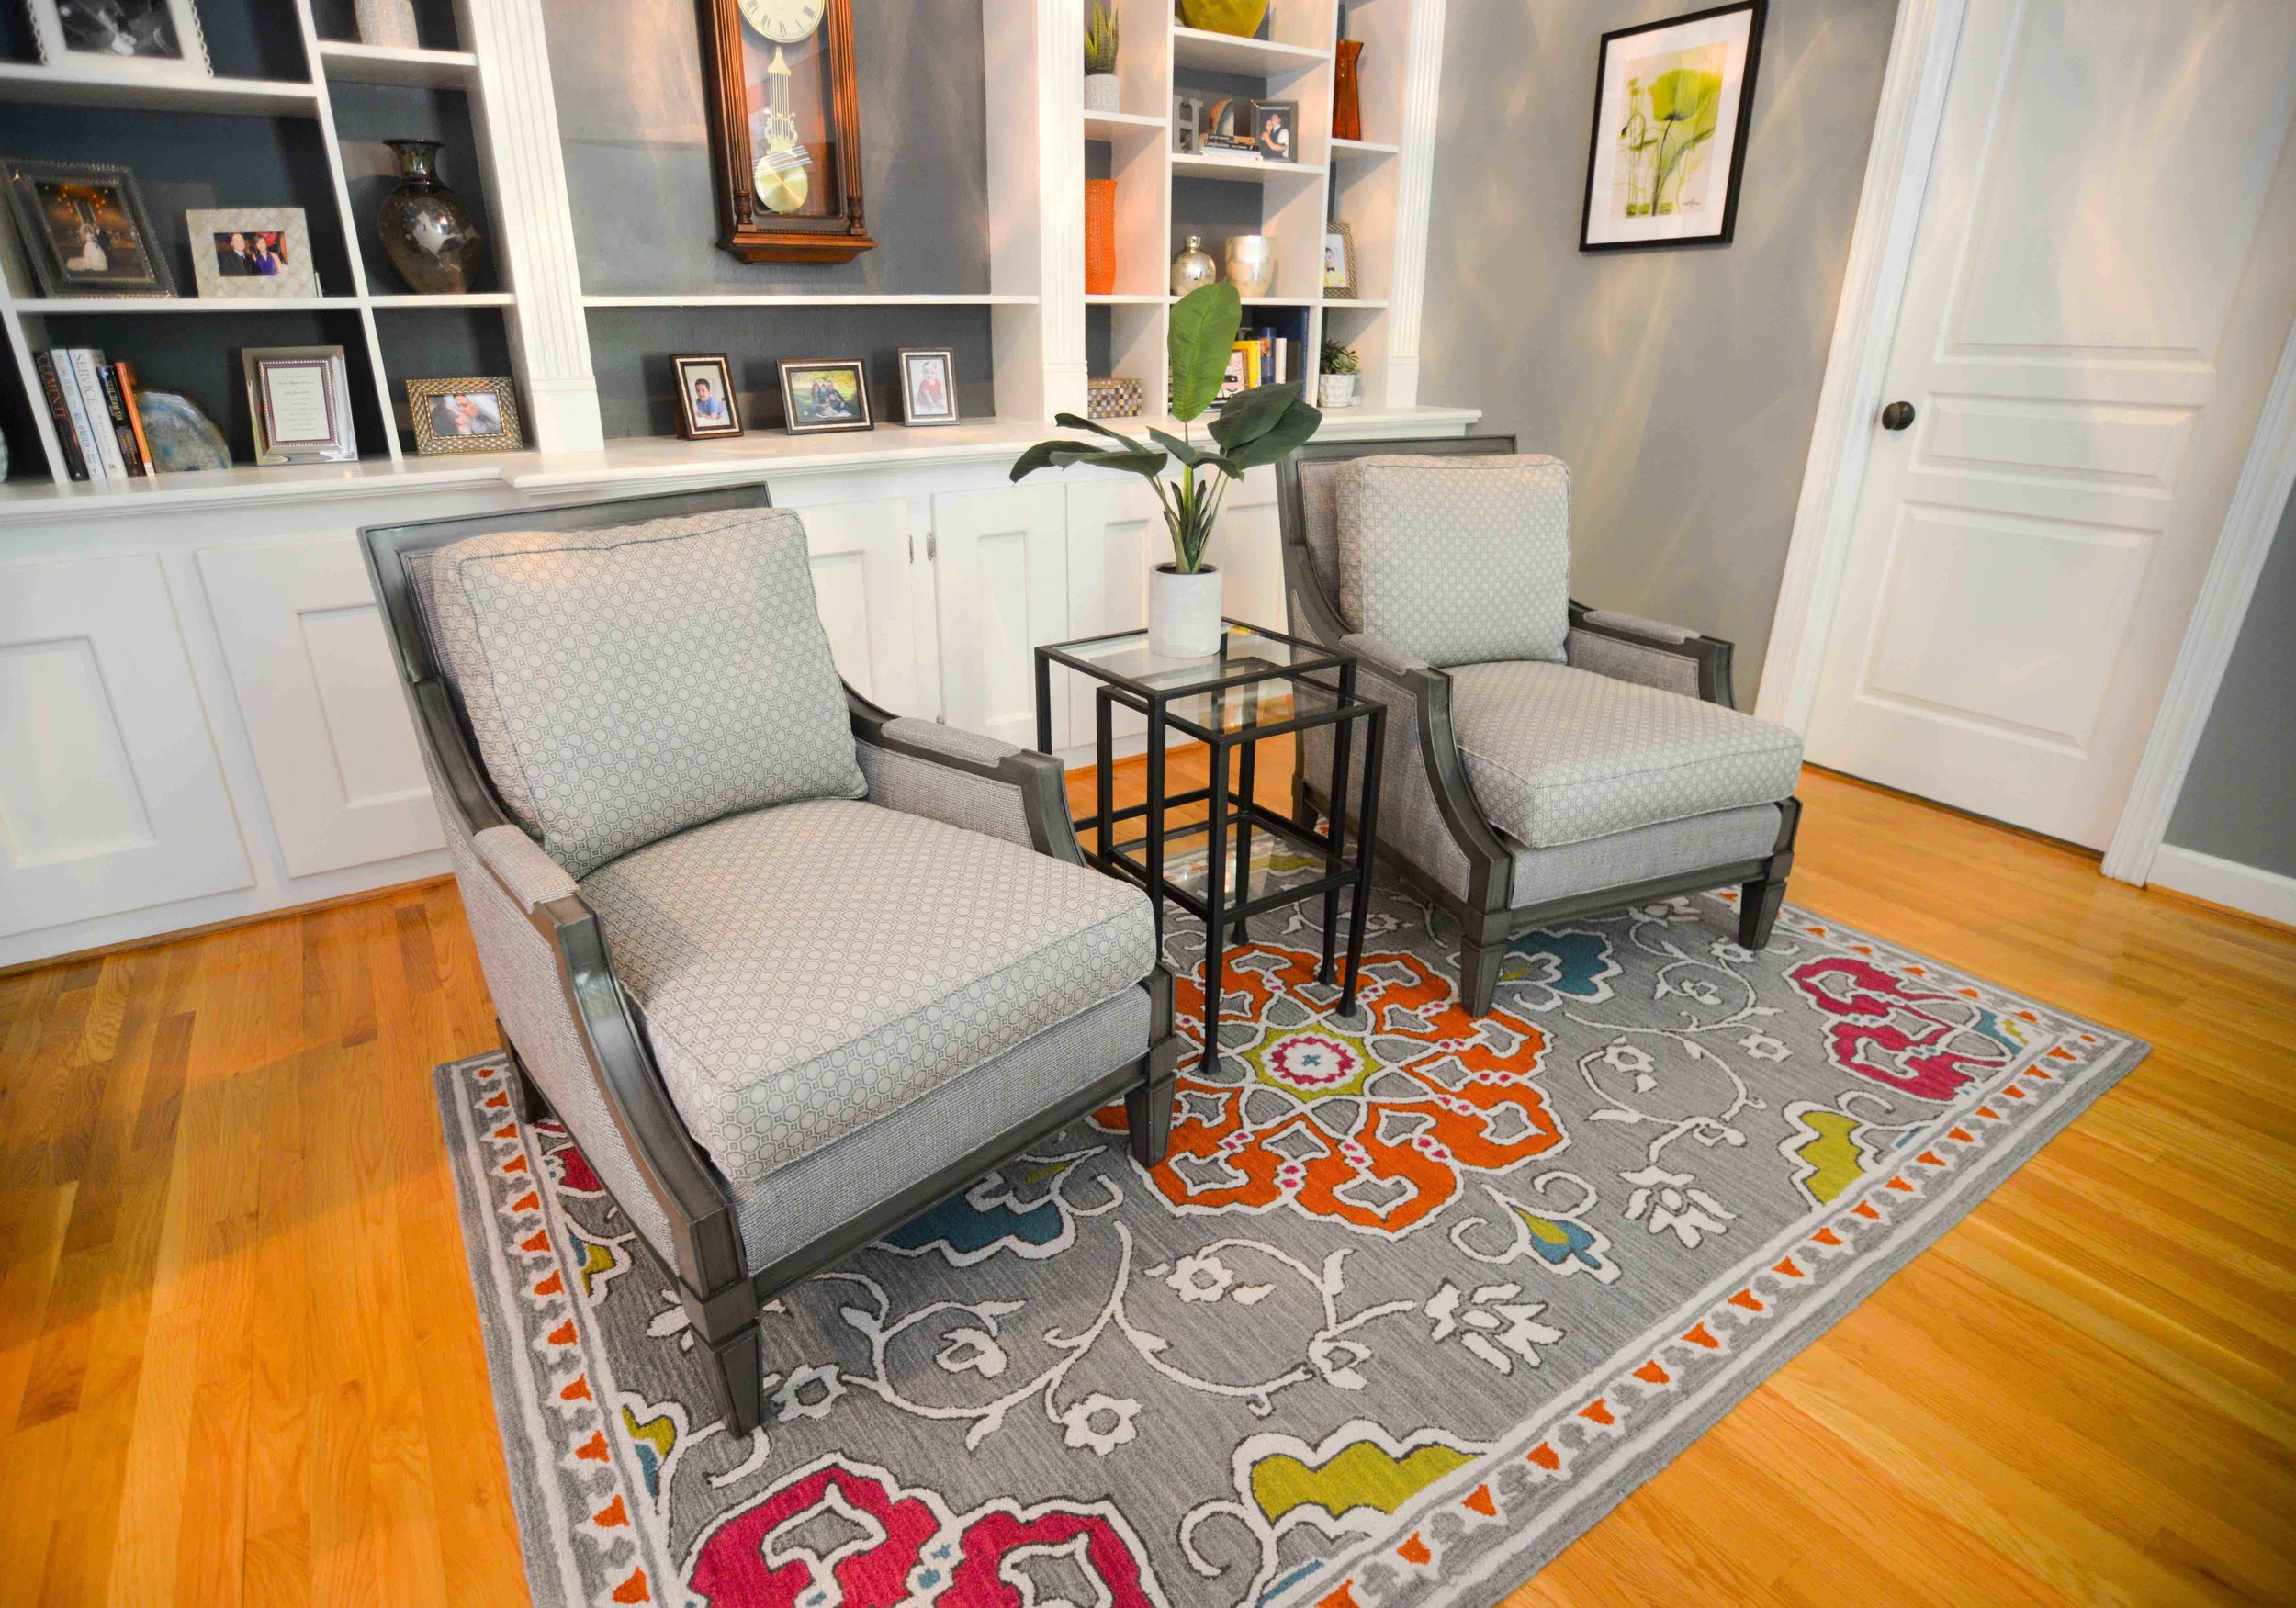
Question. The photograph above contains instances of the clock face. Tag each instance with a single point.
(783, 21)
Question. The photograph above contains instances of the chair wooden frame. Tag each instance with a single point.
(1488, 921)
(721, 1292)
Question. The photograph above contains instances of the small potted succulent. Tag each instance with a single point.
(1254, 427)
(1100, 45)
(1336, 388)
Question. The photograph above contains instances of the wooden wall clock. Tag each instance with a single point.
(784, 128)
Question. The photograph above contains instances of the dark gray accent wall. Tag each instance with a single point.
(627, 79)
(1679, 385)
(2239, 798)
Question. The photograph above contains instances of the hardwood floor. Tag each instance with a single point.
(240, 1360)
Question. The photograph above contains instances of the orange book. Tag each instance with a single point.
(125, 373)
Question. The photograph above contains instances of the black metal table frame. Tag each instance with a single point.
(1222, 810)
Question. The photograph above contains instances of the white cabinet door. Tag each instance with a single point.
(1001, 586)
(319, 692)
(110, 795)
(1116, 534)
(1247, 545)
(861, 580)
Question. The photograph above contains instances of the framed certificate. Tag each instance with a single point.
(299, 397)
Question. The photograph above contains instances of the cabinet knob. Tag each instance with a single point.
(1897, 415)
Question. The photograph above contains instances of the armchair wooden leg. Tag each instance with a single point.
(1478, 971)
(727, 1325)
(1757, 901)
(1148, 1108)
(526, 1096)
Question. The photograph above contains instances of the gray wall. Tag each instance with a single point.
(1679, 385)
(2239, 799)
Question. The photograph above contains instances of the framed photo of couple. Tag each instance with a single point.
(476, 414)
(707, 407)
(247, 253)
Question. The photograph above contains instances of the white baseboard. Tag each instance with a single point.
(2227, 883)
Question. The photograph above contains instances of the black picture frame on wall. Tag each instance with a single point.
(1646, 138)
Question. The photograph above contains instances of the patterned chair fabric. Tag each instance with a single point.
(1558, 756)
(807, 969)
(626, 683)
(1457, 561)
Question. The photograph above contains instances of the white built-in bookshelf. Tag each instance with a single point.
(1038, 148)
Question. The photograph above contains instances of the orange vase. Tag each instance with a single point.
(1347, 91)
(1100, 237)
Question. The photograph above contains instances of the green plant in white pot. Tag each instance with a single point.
(1102, 38)
(1253, 427)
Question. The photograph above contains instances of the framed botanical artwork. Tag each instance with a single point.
(928, 385)
(121, 38)
(300, 399)
(464, 415)
(86, 231)
(706, 404)
(784, 121)
(251, 252)
(1672, 103)
(1339, 262)
(1274, 129)
(824, 394)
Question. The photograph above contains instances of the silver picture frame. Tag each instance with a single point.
(230, 247)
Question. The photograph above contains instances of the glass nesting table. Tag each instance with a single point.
(1260, 684)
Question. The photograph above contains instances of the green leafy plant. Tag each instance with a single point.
(1101, 40)
(1258, 426)
(1339, 359)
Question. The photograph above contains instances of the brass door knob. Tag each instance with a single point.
(1897, 415)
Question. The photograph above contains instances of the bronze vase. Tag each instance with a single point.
(1348, 93)
(427, 230)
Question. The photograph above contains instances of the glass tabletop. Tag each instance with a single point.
(1246, 653)
(1254, 705)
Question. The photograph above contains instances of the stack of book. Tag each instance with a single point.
(1261, 358)
(93, 403)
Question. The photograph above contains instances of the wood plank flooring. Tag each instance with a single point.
(239, 1359)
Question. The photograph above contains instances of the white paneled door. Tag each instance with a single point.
(319, 692)
(1001, 584)
(2101, 283)
(861, 582)
(110, 795)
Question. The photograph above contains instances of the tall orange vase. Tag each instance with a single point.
(1347, 91)
(1100, 237)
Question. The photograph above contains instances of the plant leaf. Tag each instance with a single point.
(1077, 421)
(1204, 323)
(1040, 456)
(1059, 454)
(1186, 452)
(1249, 415)
(1292, 427)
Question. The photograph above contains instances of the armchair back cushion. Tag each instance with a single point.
(1457, 561)
(630, 683)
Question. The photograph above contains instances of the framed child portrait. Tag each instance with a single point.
(706, 404)
(928, 385)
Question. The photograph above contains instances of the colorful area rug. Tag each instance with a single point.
(1417, 1298)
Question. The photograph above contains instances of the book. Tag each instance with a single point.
(67, 441)
(125, 372)
(84, 360)
(122, 431)
(75, 403)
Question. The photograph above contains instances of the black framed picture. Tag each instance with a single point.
(1274, 129)
(928, 385)
(84, 228)
(706, 404)
(1673, 101)
(824, 394)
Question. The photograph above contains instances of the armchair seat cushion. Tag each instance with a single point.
(1557, 755)
(807, 969)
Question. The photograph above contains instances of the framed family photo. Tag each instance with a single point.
(1673, 101)
(84, 228)
(300, 398)
(706, 404)
(820, 395)
(478, 414)
(1339, 262)
(121, 38)
(251, 252)
(928, 385)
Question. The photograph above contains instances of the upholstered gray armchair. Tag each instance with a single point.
(1544, 760)
(788, 969)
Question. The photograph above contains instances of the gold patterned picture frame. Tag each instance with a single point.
(471, 414)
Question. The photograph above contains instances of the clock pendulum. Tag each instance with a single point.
(782, 176)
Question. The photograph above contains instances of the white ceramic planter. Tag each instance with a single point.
(1183, 612)
(1336, 390)
(1100, 92)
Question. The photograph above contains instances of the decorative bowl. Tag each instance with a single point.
(1242, 18)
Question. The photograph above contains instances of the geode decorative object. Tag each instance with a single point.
(428, 230)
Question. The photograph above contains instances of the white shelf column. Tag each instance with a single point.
(1422, 77)
(1036, 170)
(534, 237)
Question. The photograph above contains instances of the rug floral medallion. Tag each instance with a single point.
(1417, 1297)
